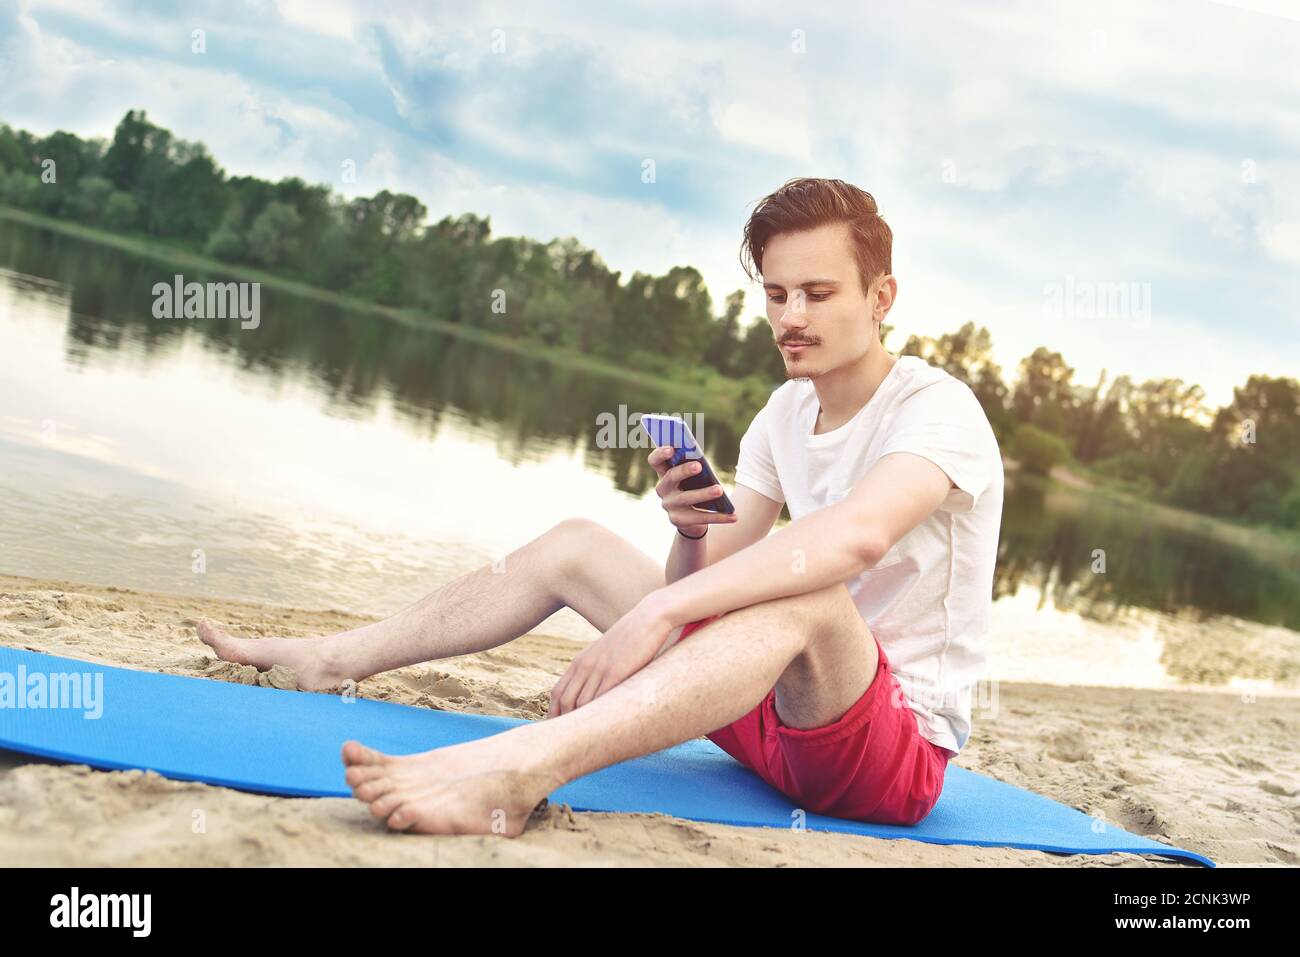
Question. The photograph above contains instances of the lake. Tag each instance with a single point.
(339, 458)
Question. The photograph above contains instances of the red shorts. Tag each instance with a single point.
(872, 764)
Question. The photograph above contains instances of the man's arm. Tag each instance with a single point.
(831, 545)
(755, 516)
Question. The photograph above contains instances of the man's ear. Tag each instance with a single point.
(887, 290)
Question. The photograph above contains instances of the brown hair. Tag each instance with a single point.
(806, 203)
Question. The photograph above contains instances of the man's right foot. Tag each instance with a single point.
(308, 657)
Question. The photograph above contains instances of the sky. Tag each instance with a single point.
(1119, 182)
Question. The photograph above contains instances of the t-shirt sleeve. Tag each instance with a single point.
(945, 423)
(756, 467)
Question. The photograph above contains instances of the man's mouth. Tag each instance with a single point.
(798, 346)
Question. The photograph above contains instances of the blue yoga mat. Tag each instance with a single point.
(288, 742)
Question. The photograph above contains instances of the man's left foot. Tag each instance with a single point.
(479, 787)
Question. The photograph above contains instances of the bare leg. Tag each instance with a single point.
(578, 563)
(814, 648)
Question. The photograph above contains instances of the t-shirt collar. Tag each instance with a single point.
(837, 435)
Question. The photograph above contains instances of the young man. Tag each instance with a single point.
(894, 482)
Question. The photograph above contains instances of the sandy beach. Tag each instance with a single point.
(1214, 773)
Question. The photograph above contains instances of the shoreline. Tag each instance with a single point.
(721, 389)
(1206, 771)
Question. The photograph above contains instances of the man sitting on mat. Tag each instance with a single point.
(894, 483)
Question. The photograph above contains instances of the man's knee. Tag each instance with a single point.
(578, 532)
(576, 527)
(573, 543)
(825, 612)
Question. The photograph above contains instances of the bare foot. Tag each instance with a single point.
(310, 658)
(487, 786)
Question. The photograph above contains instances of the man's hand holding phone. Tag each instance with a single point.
(677, 502)
(643, 633)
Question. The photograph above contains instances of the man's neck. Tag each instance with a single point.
(844, 391)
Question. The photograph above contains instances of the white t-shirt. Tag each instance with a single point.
(929, 599)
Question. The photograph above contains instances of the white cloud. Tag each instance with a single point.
(334, 18)
(1105, 140)
(1282, 241)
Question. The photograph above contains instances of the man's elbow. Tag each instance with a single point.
(871, 547)
(867, 541)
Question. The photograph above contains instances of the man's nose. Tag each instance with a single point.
(793, 321)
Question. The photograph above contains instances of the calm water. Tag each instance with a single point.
(337, 459)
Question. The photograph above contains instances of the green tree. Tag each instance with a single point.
(1043, 395)
(22, 189)
(1099, 427)
(1162, 417)
(88, 202)
(759, 354)
(16, 151)
(274, 235)
(723, 350)
(74, 159)
(135, 153)
(967, 354)
(1037, 450)
(121, 212)
(192, 200)
(1249, 459)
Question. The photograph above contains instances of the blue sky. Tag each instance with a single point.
(1016, 149)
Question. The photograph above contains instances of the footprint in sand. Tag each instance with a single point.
(1270, 788)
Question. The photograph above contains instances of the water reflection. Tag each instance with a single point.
(355, 361)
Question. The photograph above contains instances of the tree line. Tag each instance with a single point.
(1157, 437)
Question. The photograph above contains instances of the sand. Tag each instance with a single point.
(1214, 773)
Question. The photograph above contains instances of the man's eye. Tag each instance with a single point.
(814, 296)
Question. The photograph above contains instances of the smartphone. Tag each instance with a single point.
(673, 430)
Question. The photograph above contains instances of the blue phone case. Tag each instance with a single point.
(675, 432)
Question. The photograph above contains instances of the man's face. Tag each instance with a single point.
(814, 296)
